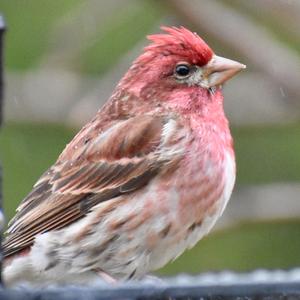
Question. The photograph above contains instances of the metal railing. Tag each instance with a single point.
(166, 290)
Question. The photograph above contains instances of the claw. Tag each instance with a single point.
(106, 277)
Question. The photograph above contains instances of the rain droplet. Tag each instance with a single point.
(282, 92)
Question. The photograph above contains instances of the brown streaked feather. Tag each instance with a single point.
(120, 160)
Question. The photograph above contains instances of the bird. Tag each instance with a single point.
(140, 183)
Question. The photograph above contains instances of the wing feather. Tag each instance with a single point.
(120, 160)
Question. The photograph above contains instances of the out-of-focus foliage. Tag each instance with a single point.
(32, 22)
(26, 152)
(267, 154)
(29, 25)
(270, 245)
(283, 32)
(119, 37)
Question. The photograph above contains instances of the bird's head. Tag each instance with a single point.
(178, 61)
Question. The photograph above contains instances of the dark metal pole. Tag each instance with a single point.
(2, 29)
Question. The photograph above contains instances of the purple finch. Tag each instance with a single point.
(145, 179)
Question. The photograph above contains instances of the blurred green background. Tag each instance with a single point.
(63, 58)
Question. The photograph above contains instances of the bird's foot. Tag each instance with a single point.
(106, 277)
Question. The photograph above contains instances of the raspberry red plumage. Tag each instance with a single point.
(180, 42)
(141, 182)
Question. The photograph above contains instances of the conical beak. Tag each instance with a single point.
(220, 69)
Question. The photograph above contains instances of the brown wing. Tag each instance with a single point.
(120, 160)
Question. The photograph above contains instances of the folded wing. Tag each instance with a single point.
(120, 160)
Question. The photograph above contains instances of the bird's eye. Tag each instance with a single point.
(182, 70)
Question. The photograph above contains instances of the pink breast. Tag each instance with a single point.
(201, 180)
